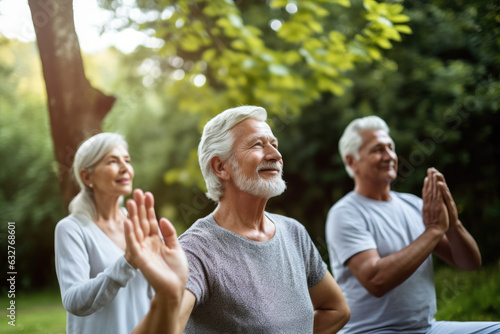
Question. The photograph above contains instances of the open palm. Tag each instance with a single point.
(162, 262)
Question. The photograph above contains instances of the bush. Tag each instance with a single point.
(468, 296)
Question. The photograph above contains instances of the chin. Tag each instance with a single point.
(127, 191)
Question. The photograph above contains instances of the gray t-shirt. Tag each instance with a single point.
(355, 224)
(245, 286)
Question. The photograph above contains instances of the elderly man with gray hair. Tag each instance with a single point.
(381, 242)
(251, 271)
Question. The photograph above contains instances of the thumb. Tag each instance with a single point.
(168, 233)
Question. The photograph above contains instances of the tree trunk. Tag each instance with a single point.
(76, 109)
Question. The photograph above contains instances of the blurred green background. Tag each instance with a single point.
(429, 68)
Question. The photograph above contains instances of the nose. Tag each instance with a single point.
(389, 153)
(272, 153)
(126, 167)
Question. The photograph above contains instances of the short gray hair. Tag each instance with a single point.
(217, 140)
(88, 154)
(350, 142)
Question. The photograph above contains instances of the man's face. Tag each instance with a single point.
(377, 161)
(256, 163)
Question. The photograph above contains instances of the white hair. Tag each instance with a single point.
(351, 141)
(88, 154)
(217, 140)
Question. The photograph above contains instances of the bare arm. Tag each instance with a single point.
(457, 247)
(163, 264)
(380, 275)
(331, 311)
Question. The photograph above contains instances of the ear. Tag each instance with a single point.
(350, 161)
(86, 177)
(219, 167)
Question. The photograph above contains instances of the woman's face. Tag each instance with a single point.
(113, 174)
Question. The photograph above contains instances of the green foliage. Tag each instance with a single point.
(29, 192)
(466, 296)
(245, 61)
(231, 46)
(439, 92)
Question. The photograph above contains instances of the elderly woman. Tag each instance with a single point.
(101, 291)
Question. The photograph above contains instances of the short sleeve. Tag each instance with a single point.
(347, 234)
(316, 267)
(197, 281)
(313, 262)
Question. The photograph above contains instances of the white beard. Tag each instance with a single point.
(256, 185)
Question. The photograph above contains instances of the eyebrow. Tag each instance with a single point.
(113, 156)
(391, 143)
(264, 137)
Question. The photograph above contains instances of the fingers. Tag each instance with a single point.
(131, 242)
(134, 218)
(151, 215)
(168, 232)
(140, 200)
(425, 189)
(434, 176)
(450, 203)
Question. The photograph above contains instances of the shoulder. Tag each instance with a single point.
(287, 222)
(347, 201)
(290, 228)
(200, 231)
(409, 199)
(71, 230)
(69, 224)
(348, 205)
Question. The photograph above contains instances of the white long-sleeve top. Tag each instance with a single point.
(100, 290)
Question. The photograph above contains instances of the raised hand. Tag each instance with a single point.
(434, 212)
(162, 262)
(448, 199)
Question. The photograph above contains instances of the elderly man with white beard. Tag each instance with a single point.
(251, 271)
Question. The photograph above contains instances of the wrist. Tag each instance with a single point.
(435, 231)
(129, 260)
(456, 226)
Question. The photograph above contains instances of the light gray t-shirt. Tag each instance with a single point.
(100, 290)
(245, 286)
(355, 224)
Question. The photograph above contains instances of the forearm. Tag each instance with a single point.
(390, 271)
(89, 295)
(464, 250)
(162, 318)
(330, 321)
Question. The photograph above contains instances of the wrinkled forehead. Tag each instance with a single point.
(119, 149)
(373, 137)
(251, 129)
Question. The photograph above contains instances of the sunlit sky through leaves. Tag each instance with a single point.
(16, 23)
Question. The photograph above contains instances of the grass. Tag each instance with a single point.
(468, 295)
(39, 312)
(461, 296)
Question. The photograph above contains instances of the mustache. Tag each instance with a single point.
(270, 165)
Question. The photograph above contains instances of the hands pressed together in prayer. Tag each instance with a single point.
(439, 210)
(457, 247)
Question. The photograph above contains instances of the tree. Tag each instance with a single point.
(76, 108)
(210, 40)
